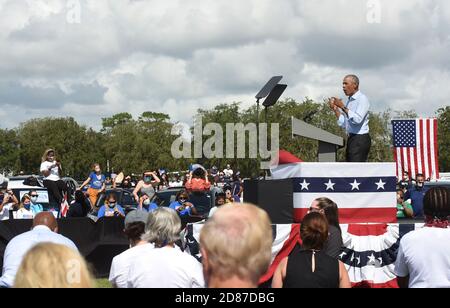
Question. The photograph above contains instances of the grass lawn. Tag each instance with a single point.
(102, 284)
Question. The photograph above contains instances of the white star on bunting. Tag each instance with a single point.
(380, 185)
(330, 185)
(305, 185)
(355, 185)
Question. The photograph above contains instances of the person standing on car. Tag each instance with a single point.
(145, 186)
(96, 181)
(51, 169)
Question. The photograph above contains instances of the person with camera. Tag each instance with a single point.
(182, 206)
(145, 186)
(8, 202)
(111, 208)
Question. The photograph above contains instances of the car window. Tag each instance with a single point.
(127, 199)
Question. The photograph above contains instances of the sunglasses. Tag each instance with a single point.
(34, 195)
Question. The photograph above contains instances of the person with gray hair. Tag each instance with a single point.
(165, 266)
(353, 116)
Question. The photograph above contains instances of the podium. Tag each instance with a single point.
(328, 143)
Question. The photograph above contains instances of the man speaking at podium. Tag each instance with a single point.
(354, 117)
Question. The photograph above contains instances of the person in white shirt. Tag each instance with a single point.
(134, 228)
(51, 169)
(228, 172)
(165, 266)
(423, 259)
(45, 229)
(8, 201)
(24, 211)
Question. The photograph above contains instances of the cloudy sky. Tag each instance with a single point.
(93, 58)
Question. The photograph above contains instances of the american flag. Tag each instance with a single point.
(416, 147)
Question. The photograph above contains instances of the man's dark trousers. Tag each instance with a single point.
(358, 148)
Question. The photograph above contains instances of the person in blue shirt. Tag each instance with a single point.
(97, 183)
(35, 207)
(182, 206)
(111, 208)
(416, 194)
(353, 116)
(145, 203)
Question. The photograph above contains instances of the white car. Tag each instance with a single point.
(16, 184)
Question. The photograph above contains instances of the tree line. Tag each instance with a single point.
(133, 145)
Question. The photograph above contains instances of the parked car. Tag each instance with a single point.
(16, 184)
(203, 202)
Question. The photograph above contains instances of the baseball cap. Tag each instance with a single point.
(136, 216)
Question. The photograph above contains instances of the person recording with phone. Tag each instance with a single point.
(353, 116)
(52, 170)
(145, 186)
(111, 208)
(8, 202)
(182, 205)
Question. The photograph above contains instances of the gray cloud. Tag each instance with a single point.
(38, 97)
(177, 56)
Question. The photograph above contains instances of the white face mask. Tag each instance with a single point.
(147, 202)
(34, 199)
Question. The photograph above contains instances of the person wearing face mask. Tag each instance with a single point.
(182, 206)
(97, 183)
(8, 202)
(111, 208)
(145, 186)
(36, 207)
(51, 170)
(416, 194)
(146, 205)
(24, 211)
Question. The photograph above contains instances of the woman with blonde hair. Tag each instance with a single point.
(49, 265)
(51, 169)
(24, 211)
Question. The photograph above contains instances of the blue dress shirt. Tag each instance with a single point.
(357, 121)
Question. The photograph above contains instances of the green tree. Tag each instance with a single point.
(117, 119)
(9, 150)
(77, 147)
(444, 138)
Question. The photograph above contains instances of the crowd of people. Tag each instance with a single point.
(235, 241)
(85, 200)
(236, 250)
(410, 196)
